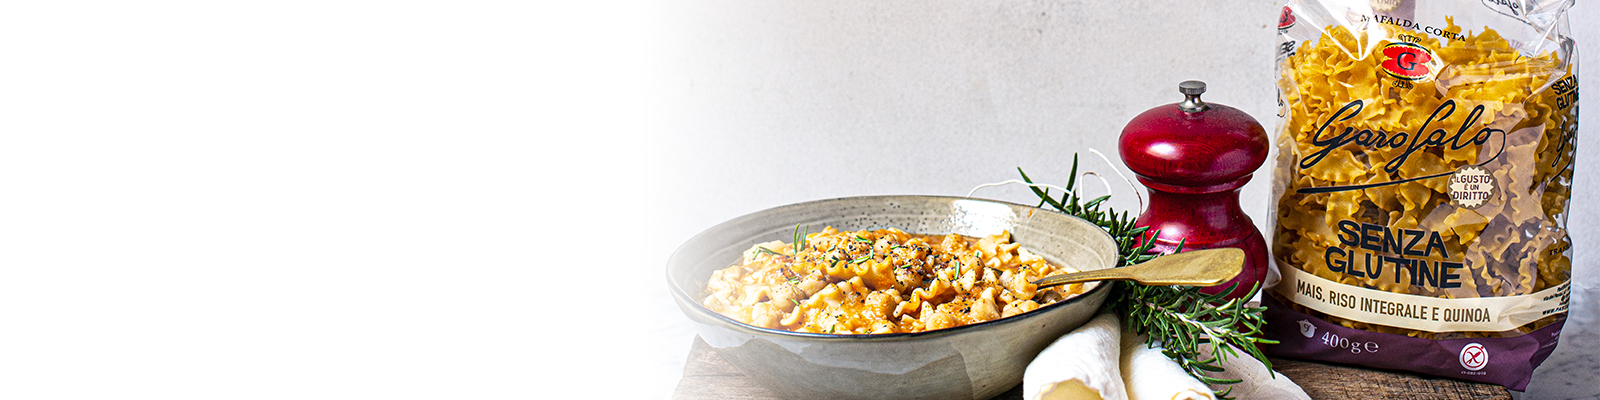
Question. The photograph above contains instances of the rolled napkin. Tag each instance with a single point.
(1100, 361)
(1080, 365)
(1150, 375)
(1258, 381)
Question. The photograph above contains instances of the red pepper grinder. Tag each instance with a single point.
(1194, 156)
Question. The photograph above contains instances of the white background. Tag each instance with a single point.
(475, 199)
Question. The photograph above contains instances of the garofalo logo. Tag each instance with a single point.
(1409, 61)
(1441, 135)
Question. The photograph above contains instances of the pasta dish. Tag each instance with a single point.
(882, 281)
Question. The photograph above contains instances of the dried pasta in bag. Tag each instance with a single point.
(1425, 161)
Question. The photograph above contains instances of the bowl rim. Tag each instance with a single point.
(683, 298)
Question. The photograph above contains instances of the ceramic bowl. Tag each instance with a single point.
(975, 361)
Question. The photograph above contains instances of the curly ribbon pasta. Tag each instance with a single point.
(883, 281)
(1367, 160)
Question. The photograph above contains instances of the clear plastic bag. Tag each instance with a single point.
(1425, 161)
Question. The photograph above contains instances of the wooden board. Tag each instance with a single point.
(707, 376)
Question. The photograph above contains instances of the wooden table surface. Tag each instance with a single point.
(707, 376)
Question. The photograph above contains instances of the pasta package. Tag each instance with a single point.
(1423, 176)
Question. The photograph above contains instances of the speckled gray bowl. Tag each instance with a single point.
(975, 361)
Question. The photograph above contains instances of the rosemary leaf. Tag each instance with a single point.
(864, 258)
(799, 239)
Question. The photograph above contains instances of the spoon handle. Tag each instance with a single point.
(1107, 274)
(1193, 268)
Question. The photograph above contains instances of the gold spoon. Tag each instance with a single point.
(1193, 268)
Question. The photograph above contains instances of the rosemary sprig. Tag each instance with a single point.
(800, 239)
(1184, 319)
(760, 249)
(1179, 318)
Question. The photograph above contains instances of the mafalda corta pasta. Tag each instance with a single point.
(883, 281)
(1423, 176)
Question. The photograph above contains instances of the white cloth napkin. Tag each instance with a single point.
(1259, 383)
(1080, 365)
(1100, 361)
(1148, 374)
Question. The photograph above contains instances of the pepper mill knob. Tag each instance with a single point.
(1193, 156)
(1191, 96)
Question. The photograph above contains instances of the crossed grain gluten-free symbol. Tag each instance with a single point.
(1474, 357)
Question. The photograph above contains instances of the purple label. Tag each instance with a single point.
(1507, 361)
